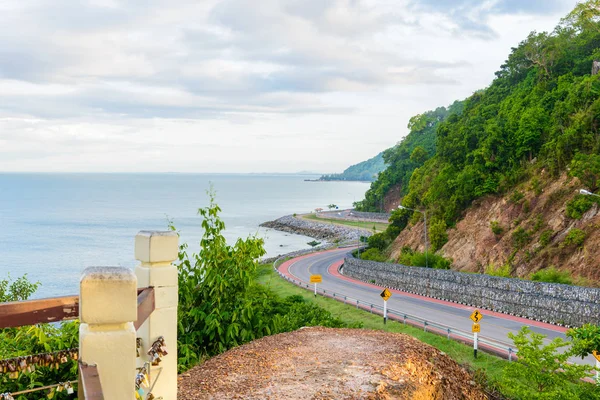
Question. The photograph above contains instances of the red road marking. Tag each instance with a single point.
(333, 270)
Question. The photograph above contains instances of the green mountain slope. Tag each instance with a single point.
(542, 112)
(363, 171)
(410, 153)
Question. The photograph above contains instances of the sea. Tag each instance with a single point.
(53, 226)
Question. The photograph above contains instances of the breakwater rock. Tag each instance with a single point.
(318, 230)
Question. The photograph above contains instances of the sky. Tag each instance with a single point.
(239, 85)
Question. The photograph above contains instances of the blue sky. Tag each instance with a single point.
(239, 86)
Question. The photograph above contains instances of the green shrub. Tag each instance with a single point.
(543, 371)
(294, 312)
(575, 237)
(503, 271)
(437, 234)
(520, 237)
(373, 254)
(496, 228)
(536, 186)
(586, 339)
(526, 206)
(221, 306)
(578, 206)
(378, 241)
(419, 259)
(516, 196)
(539, 223)
(546, 237)
(28, 340)
(552, 275)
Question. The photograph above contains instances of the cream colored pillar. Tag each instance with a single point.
(107, 309)
(157, 250)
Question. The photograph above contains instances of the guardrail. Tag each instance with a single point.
(504, 350)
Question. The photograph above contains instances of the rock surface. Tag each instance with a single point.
(473, 246)
(317, 230)
(325, 363)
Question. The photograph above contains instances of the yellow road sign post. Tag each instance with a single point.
(385, 295)
(316, 279)
(476, 316)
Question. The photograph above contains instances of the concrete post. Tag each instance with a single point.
(156, 250)
(107, 309)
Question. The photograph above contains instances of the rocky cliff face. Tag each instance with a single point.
(533, 224)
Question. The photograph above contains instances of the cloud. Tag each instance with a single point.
(181, 60)
(269, 74)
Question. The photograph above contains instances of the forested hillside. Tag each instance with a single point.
(541, 109)
(363, 171)
(537, 122)
(412, 152)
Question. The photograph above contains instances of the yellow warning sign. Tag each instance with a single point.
(596, 354)
(386, 294)
(476, 316)
(316, 279)
(476, 328)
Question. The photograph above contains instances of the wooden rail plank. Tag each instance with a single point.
(30, 312)
(146, 305)
(40, 311)
(90, 382)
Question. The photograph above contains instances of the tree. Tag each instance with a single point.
(419, 155)
(437, 234)
(586, 339)
(586, 167)
(216, 308)
(332, 207)
(585, 16)
(542, 371)
(313, 243)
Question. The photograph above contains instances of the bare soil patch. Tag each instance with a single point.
(324, 363)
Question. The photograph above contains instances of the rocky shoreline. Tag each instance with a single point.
(330, 234)
(318, 230)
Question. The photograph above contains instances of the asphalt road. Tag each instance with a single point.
(494, 326)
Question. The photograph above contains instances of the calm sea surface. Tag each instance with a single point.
(55, 225)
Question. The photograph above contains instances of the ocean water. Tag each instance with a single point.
(52, 226)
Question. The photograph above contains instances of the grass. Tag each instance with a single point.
(488, 368)
(379, 226)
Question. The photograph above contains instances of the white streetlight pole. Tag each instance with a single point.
(588, 193)
(426, 241)
(357, 229)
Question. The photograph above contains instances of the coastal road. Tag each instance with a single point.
(494, 326)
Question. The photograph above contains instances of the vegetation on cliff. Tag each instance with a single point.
(409, 154)
(538, 118)
(363, 171)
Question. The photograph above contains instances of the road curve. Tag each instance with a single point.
(494, 326)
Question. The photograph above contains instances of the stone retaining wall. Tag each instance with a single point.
(556, 303)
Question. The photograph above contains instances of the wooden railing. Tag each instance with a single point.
(56, 309)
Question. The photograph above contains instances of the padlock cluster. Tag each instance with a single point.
(141, 382)
(66, 386)
(158, 350)
(14, 366)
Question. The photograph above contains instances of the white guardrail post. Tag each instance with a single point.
(107, 309)
(157, 250)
